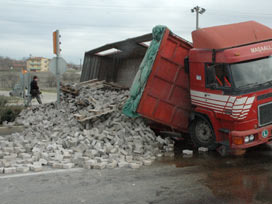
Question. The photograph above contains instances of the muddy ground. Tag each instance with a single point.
(204, 178)
(46, 97)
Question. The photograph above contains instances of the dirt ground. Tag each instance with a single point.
(204, 178)
(47, 97)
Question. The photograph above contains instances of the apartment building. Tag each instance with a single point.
(37, 64)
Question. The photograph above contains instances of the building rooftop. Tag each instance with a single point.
(37, 58)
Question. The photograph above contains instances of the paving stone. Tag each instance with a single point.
(10, 157)
(123, 152)
(22, 169)
(100, 165)
(90, 163)
(129, 158)
(8, 149)
(134, 165)
(147, 162)
(123, 164)
(187, 152)
(43, 162)
(57, 165)
(159, 155)
(68, 165)
(36, 168)
(111, 165)
(9, 170)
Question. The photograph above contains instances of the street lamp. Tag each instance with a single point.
(198, 11)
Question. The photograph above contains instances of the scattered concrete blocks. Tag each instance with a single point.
(203, 149)
(56, 137)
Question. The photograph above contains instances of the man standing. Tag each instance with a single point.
(34, 91)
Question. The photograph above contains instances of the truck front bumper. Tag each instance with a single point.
(261, 135)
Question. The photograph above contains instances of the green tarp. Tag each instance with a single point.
(138, 85)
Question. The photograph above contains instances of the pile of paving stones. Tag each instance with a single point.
(87, 130)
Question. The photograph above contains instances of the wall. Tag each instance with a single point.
(46, 79)
(111, 69)
(127, 70)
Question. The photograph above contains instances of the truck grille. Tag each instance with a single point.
(265, 114)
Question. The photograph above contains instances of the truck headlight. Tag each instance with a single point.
(246, 140)
(251, 138)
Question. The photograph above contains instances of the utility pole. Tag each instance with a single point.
(56, 50)
(80, 65)
(57, 65)
(198, 11)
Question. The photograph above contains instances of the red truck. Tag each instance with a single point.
(218, 88)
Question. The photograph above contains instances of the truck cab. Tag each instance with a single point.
(231, 85)
(218, 88)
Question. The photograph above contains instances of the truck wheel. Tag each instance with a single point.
(202, 134)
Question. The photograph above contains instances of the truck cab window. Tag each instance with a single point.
(217, 76)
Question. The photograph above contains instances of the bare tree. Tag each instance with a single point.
(10, 80)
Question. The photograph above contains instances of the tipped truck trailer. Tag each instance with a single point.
(218, 89)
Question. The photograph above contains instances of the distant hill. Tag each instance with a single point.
(7, 63)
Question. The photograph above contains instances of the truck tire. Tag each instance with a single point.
(202, 134)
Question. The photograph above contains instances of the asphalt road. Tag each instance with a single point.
(205, 178)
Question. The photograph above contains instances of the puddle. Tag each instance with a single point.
(232, 179)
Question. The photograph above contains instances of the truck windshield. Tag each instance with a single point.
(251, 73)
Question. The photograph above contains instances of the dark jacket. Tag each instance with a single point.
(34, 88)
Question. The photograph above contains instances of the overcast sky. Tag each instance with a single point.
(27, 25)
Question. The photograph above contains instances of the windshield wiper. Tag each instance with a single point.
(248, 85)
